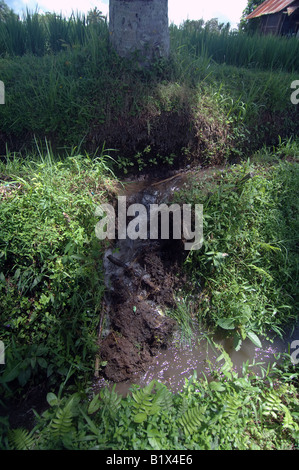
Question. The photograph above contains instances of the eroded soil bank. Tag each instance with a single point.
(141, 277)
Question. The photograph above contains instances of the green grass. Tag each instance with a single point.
(49, 33)
(82, 94)
(41, 34)
(236, 48)
(51, 279)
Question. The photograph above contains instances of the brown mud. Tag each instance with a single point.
(142, 278)
(138, 327)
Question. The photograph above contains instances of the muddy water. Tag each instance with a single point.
(179, 361)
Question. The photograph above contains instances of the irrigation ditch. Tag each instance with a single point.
(138, 341)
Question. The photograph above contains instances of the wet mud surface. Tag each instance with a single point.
(142, 277)
(138, 327)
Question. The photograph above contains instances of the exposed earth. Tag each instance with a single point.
(142, 278)
(138, 327)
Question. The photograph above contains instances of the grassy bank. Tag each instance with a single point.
(192, 107)
(247, 269)
(51, 266)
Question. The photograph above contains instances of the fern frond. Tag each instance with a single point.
(111, 400)
(191, 420)
(62, 423)
(164, 397)
(183, 407)
(20, 439)
(145, 403)
(232, 406)
(272, 405)
(288, 422)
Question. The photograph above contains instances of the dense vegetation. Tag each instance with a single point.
(249, 252)
(230, 412)
(219, 99)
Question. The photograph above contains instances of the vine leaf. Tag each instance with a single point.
(226, 323)
(94, 405)
(52, 399)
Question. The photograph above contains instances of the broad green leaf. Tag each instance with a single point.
(94, 405)
(254, 338)
(10, 376)
(237, 342)
(52, 399)
(24, 376)
(226, 323)
(42, 362)
(155, 443)
(242, 383)
(216, 386)
(153, 433)
(140, 417)
(33, 362)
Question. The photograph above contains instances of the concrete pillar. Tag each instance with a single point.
(139, 25)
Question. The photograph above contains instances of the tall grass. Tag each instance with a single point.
(70, 87)
(39, 34)
(239, 49)
(35, 41)
(12, 36)
(50, 33)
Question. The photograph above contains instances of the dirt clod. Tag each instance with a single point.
(138, 326)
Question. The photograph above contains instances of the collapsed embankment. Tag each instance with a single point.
(141, 278)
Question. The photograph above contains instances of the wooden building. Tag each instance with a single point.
(279, 17)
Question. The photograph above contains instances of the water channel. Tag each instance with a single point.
(178, 361)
